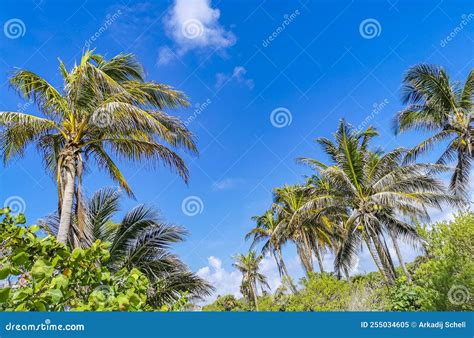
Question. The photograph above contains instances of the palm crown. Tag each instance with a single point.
(142, 240)
(105, 110)
(249, 266)
(374, 194)
(436, 104)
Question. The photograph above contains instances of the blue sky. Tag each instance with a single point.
(325, 60)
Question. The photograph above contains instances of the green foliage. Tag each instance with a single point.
(404, 296)
(446, 276)
(321, 292)
(226, 303)
(442, 281)
(44, 275)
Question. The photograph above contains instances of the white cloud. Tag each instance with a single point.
(225, 282)
(228, 282)
(238, 74)
(194, 25)
(227, 183)
(165, 55)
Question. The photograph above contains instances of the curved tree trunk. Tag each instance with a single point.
(375, 257)
(305, 260)
(278, 263)
(385, 260)
(319, 259)
(255, 296)
(399, 256)
(67, 201)
(285, 271)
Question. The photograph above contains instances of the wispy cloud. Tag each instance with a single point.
(225, 282)
(238, 74)
(194, 25)
(228, 282)
(227, 183)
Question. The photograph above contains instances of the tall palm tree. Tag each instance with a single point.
(249, 266)
(379, 194)
(311, 232)
(443, 107)
(140, 240)
(104, 111)
(265, 231)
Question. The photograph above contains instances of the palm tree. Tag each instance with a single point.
(249, 266)
(140, 240)
(436, 104)
(105, 109)
(311, 232)
(379, 195)
(265, 231)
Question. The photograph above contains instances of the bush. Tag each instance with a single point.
(321, 292)
(226, 303)
(446, 275)
(41, 274)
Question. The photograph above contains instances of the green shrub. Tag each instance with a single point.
(321, 292)
(41, 274)
(447, 274)
(404, 296)
(227, 303)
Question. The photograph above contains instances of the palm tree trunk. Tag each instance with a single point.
(66, 206)
(306, 254)
(285, 271)
(255, 297)
(385, 260)
(319, 259)
(399, 256)
(278, 263)
(375, 257)
(304, 259)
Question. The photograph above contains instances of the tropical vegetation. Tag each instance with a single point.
(105, 109)
(358, 197)
(42, 274)
(367, 198)
(441, 281)
(248, 265)
(142, 241)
